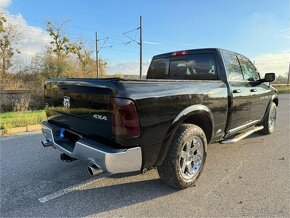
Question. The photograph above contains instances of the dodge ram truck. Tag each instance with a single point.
(189, 99)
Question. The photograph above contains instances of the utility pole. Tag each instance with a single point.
(134, 40)
(97, 55)
(288, 82)
(141, 47)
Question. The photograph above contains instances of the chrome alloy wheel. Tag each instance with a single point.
(191, 158)
(272, 118)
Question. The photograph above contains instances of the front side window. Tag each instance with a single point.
(233, 67)
(249, 71)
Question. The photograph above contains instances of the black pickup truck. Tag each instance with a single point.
(189, 99)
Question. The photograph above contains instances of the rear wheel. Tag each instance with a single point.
(185, 158)
(269, 122)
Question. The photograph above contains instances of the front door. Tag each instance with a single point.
(260, 93)
(239, 92)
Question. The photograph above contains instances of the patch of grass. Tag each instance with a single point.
(283, 89)
(21, 119)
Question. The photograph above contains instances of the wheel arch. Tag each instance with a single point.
(199, 115)
(274, 98)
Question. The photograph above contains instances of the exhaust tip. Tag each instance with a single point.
(93, 170)
(90, 170)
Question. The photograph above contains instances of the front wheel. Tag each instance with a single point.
(269, 122)
(185, 158)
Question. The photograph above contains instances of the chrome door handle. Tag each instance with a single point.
(253, 90)
(236, 91)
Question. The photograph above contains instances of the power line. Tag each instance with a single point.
(129, 37)
(104, 43)
(105, 40)
(116, 33)
(43, 20)
(91, 44)
(134, 40)
(88, 38)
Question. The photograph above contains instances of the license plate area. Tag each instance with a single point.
(66, 138)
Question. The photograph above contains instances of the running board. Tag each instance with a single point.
(242, 135)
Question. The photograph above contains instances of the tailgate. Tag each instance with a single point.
(80, 105)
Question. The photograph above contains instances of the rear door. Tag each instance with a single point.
(260, 93)
(239, 109)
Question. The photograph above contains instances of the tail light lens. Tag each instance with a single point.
(125, 122)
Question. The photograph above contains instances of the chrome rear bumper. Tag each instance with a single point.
(108, 159)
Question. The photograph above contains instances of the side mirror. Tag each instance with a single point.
(270, 77)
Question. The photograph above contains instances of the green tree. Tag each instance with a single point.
(86, 61)
(83, 54)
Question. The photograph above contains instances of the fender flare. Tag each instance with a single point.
(180, 118)
(273, 97)
(193, 110)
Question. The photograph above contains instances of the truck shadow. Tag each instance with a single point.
(256, 135)
(119, 192)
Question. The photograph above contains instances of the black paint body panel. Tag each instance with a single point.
(161, 105)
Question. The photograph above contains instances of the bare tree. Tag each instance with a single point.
(83, 54)
(9, 35)
(59, 44)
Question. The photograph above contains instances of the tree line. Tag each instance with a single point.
(62, 57)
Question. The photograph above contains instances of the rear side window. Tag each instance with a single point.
(195, 67)
(158, 69)
(233, 67)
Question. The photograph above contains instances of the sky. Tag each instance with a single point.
(259, 29)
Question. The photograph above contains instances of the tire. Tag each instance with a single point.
(269, 121)
(185, 158)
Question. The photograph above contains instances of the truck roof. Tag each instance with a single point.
(192, 51)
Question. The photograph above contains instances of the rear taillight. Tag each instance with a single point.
(125, 121)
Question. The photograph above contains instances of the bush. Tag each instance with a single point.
(14, 100)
